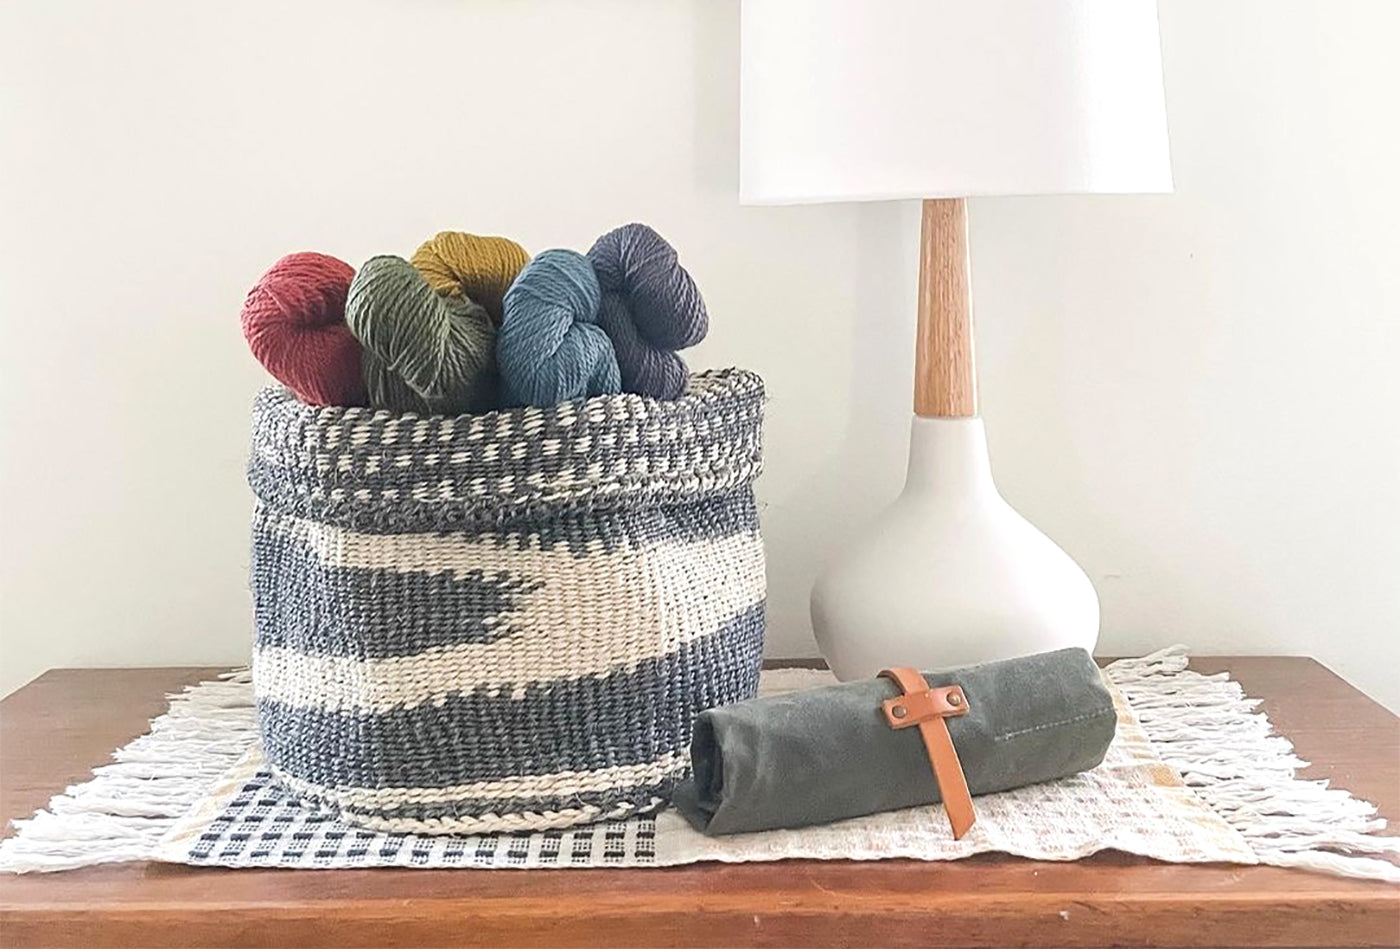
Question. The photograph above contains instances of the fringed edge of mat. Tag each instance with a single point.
(1227, 752)
(124, 810)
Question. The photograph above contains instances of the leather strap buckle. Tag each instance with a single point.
(930, 709)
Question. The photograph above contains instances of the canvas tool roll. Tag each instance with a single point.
(888, 743)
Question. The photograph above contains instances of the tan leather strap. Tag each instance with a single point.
(930, 709)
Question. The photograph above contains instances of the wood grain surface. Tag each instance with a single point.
(57, 728)
(945, 373)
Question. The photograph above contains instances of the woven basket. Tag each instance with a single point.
(504, 621)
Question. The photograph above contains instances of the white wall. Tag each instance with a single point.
(1195, 394)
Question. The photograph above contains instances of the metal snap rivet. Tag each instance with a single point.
(954, 699)
(899, 711)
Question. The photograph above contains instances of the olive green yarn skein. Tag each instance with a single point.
(423, 352)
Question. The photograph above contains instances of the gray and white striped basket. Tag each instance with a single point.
(504, 621)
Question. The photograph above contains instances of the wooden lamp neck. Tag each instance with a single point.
(945, 379)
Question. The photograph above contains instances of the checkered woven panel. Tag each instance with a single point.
(260, 826)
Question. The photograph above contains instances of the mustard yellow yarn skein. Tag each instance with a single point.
(479, 268)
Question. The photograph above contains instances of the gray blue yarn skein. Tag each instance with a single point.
(650, 308)
(550, 348)
(423, 352)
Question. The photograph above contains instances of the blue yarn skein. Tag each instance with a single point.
(550, 348)
(650, 308)
(644, 369)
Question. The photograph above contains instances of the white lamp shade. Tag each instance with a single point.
(852, 100)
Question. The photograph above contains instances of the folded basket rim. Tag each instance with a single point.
(381, 471)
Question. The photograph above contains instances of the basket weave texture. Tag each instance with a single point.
(504, 621)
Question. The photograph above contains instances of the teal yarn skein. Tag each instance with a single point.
(423, 353)
(551, 348)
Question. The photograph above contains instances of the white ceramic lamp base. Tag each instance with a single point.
(949, 575)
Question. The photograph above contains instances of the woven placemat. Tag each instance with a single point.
(1184, 781)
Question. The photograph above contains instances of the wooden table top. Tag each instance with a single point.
(53, 731)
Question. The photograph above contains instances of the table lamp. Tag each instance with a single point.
(940, 100)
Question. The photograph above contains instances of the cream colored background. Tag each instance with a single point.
(1194, 394)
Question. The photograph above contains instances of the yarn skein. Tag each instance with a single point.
(423, 352)
(550, 347)
(643, 368)
(480, 268)
(650, 308)
(294, 322)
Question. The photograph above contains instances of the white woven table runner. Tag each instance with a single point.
(195, 791)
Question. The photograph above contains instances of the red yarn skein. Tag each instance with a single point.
(294, 321)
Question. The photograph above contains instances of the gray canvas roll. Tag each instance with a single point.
(828, 754)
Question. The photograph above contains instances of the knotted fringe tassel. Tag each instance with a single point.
(1209, 731)
(124, 810)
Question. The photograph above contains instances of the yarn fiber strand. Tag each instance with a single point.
(650, 308)
(551, 348)
(294, 322)
(423, 352)
(479, 268)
